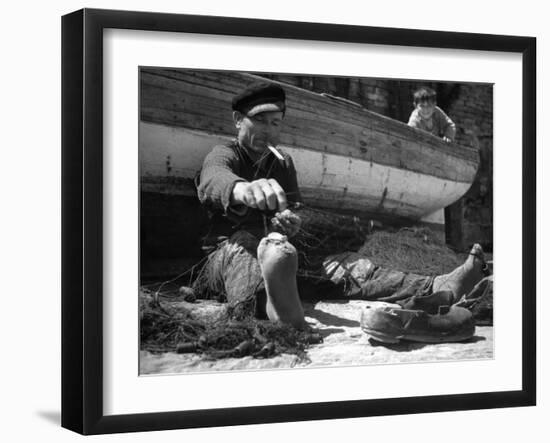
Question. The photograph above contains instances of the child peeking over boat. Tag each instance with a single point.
(430, 117)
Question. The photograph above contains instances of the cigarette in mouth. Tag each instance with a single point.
(276, 153)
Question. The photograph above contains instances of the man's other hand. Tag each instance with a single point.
(287, 223)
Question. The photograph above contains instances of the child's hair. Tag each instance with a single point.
(424, 94)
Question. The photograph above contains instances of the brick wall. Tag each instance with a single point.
(472, 111)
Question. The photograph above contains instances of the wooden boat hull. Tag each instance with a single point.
(348, 159)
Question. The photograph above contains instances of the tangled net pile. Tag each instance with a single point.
(410, 249)
(324, 233)
(416, 250)
(170, 326)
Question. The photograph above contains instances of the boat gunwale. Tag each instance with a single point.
(430, 141)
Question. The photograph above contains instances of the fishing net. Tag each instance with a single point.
(414, 249)
(168, 324)
(417, 250)
(324, 233)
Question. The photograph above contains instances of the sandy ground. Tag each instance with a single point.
(344, 344)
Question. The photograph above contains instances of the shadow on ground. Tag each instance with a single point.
(325, 332)
(329, 319)
(407, 346)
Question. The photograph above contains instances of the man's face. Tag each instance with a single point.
(256, 132)
(426, 108)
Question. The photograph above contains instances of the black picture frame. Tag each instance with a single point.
(82, 218)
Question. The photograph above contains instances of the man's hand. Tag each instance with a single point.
(263, 194)
(287, 223)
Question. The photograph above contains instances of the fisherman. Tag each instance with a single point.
(429, 117)
(239, 183)
(244, 180)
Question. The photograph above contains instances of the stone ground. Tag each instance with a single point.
(344, 344)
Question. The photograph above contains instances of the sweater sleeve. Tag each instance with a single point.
(448, 127)
(218, 178)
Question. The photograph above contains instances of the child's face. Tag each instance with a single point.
(426, 108)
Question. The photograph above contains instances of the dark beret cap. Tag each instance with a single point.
(260, 97)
